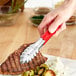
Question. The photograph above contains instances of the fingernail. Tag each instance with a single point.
(51, 30)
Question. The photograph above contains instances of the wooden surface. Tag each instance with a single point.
(12, 37)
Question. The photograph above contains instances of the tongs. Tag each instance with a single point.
(31, 51)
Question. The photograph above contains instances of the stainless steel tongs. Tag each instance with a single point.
(30, 52)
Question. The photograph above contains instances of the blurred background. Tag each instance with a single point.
(41, 3)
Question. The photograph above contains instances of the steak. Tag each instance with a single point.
(12, 65)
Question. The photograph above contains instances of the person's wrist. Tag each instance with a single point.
(71, 3)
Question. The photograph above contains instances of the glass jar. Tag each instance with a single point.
(7, 18)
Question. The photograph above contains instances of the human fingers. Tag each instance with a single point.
(48, 18)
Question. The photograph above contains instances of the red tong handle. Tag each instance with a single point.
(47, 35)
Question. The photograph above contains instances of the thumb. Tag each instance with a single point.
(55, 24)
(63, 27)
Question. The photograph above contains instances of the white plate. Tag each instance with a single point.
(71, 64)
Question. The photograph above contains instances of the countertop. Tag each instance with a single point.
(12, 37)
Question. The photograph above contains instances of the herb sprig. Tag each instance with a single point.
(15, 7)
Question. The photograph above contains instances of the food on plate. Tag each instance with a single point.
(28, 73)
(49, 73)
(44, 66)
(52, 67)
(12, 65)
(55, 64)
(42, 70)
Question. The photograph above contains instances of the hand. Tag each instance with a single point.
(60, 16)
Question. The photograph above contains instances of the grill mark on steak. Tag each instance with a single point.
(36, 58)
(8, 65)
(23, 67)
(31, 65)
(16, 59)
(27, 67)
(44, 58)
(4, 67)
(40, 58)
(34, 62)
(12, 62)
